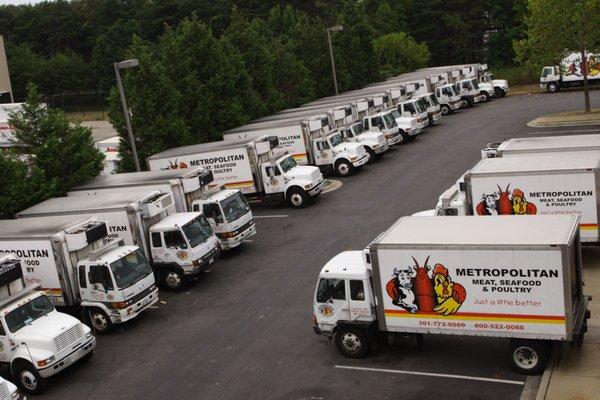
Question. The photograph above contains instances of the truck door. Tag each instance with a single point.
(360, 299)
(101, 284)
(272, 178)
(176, 248)
(331, 300)
(323, 152)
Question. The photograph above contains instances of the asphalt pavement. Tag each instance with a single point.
(244, 330)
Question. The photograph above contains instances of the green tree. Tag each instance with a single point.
(398, 53)
(22, 186)
(557, 27)
(64, 153)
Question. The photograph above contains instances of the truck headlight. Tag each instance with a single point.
(353, 158)
(43, 363)
(306, 187)
(88, 335)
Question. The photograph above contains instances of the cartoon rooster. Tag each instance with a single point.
(449, 295)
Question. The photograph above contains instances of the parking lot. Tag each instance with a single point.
(244, 330)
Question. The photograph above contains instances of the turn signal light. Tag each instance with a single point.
(119, 304)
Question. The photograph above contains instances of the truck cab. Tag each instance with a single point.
(448, 97)
(409, 128)
(550, 79)
(469, 91)
(344, 299)
(181, 245)
(229, 215)
(500, 85)
(36, 341)
(413, 108)
(373, 141)
(432, 106)
(331, 150)
(385, 123)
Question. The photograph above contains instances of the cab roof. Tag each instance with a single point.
(178, 219)
(348, 264)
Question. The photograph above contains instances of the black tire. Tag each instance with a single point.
(173, 279)
(404, 138)
(99, 321)
(296, 197)
(552, 87)
(28, 379)
(529, 357)
(498, 92)
(344, 168)
(470, 103)
(487, 96)
(372, 155)
(445, 109)
(352, 342)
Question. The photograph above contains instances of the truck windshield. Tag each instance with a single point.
(130, 269)
(433, 100)
(335, 139)
(475, 84)
(357, 129)
(396, 114)
(390, 121)
(456, 90)
(420, 107)
(28, 312)
(447, 90)
(197, 231)
(236, 205)
(287, 163)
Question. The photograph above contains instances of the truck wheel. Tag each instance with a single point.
(487, 96)
(352, 342)
(173, 280)
(445, 109)
(552, 87)
(404, 137)
(296, 197)
(499, 92)
(344, 168)
(28, 379)
(529, 357)
(372, 155)
(100, 321)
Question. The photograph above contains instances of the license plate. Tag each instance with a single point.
(212, 260)
(75, 357)
(146, 301)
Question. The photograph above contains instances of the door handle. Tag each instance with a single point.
(345, 309)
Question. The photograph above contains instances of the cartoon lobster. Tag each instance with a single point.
(423, 287)
(504, 203)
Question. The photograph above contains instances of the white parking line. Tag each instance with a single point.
(465, 377)
(271, 216)
(569, 131)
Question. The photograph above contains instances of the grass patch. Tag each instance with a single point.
(87, 115)
(517, 75)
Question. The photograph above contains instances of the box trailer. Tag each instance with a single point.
(544, 144)
(517, 278)
(530, 184)
(249, 165)
(193, 190)
(178, 245)
(38, 341)
(68, 256)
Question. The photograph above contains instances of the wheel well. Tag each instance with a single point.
(19, 362)
(295, 187)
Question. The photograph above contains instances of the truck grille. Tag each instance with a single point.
(4, 395)
(69, 337)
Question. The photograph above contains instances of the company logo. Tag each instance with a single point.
(326, 310)
(420, 289)
(182, 255)
(504, 202)
(176, 165)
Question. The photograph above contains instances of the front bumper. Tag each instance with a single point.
(435, 116)
(361, 161)
(414, 132)
(78, 353)
(381, 149)
(394, 139)
(129, 313)
(455, 105)
(230, 243)
(206, 260)
(317, 189)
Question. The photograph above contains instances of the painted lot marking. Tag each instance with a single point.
(451, 376)
(271, 216)
(569, 131)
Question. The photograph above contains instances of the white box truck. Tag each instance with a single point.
(193, 189)
(311, 141)
(517, 278)
(178, 245)
(569, 73)
(533, 184)
(68, 256)
(249, 165)
(36, 341)
(544, 144)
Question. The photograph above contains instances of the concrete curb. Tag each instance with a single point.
(534, 124)
(547, 375)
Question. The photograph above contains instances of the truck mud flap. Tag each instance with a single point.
(581, 315)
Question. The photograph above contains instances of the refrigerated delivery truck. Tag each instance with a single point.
(545, 144)
(517, 278)
(531, 184)
(249, 165)
(69, 257)
(178, 245)
(37, 341)
(193, 189)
